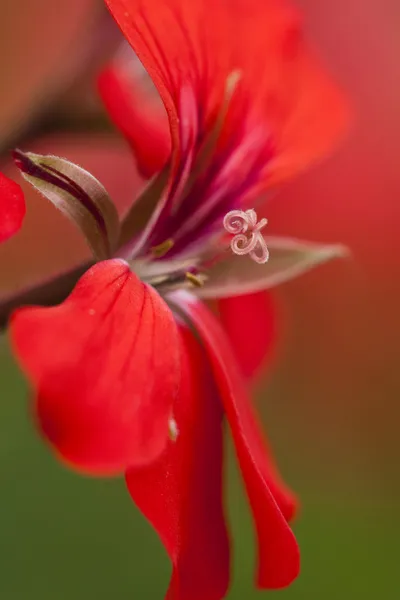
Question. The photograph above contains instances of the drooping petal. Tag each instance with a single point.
(250, 323)
(272, 505)
(105, 368)
(180, 494)
(12, 207)
(139, 115)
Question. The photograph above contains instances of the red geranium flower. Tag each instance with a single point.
(132, 373)
(12, 207)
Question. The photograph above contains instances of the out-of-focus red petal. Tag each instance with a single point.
(272, 504)
(249, 322)
(140, 118)
(105, 367)
(180, 494)
(12, 207)
(289, 96)
(312, 116)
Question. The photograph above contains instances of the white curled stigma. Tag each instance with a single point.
(248, 238)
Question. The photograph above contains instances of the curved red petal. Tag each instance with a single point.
(312, 117)
(290, 97)
(180, 494)
(12, 207)
(138, 116)
(272, 504)
(250, 324)
(104, 381)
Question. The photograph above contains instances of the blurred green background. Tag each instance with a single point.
(66, 537)
(330, 400)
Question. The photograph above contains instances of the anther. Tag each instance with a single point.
(162, 249)
(196, 280)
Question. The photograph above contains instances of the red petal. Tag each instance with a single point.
(271, 503)
(249, 322)
(12, 207)
(104, 381)
(289, 97)
(180, 494)
(139, 116)
(312, 118)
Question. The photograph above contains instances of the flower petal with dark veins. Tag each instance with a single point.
(105, 369)
(271, 503)
(284, 113)
(180, 493)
